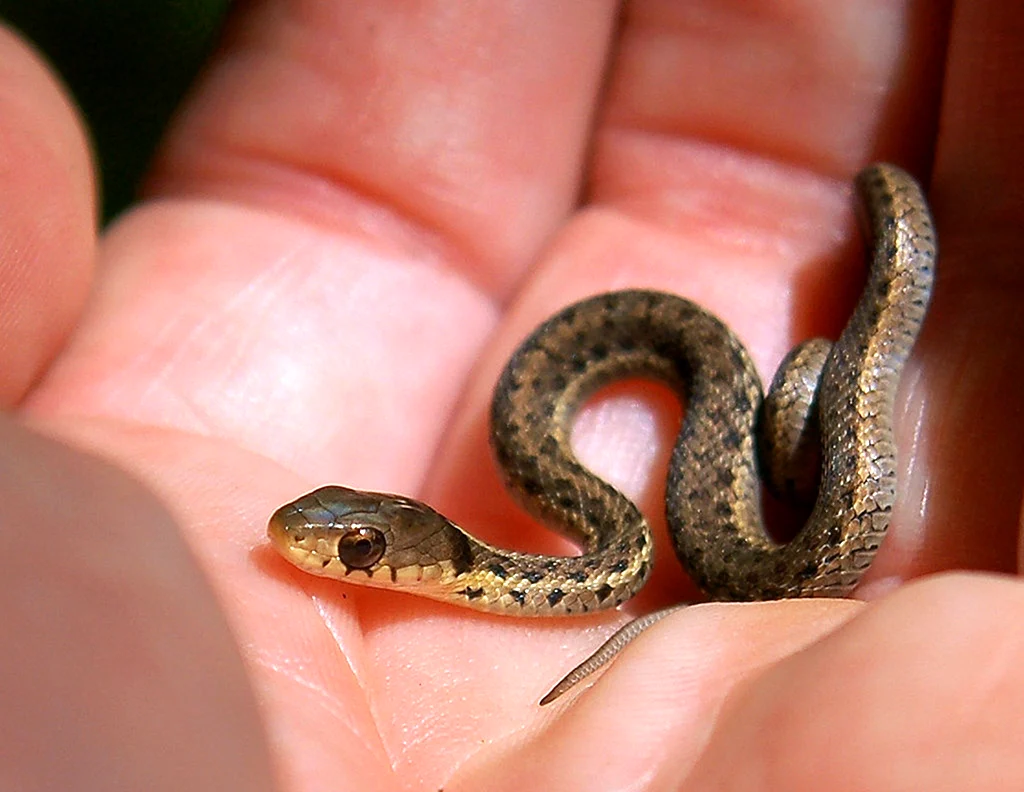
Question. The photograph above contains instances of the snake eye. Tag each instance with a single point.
(361, 547)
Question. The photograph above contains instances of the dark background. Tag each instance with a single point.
(127, 63)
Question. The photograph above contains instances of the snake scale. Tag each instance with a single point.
(837, 398)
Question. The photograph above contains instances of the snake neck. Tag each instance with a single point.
(507, 582)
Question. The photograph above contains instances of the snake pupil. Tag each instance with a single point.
(361, 548)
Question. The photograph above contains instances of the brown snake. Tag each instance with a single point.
(713, 503)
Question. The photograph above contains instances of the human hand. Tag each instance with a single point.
(358, 215)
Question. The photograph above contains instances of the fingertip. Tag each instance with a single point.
(47, 216)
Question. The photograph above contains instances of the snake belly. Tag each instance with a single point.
(713, 503)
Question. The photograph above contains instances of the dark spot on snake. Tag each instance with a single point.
(549, 446)
(566, 502)
(472, 593)
(723, 509)
(325, 562)
(603, 593)
(719, 582)
(579, 577)
(552, 564)
(559, 382)
(498, 570)
(599, 351)
(591, 563)
(726, 478)
(562, 485)
(531, 486)
(732, 439)
(533, 575)
(619, 566)
(461, 553)
(517, 595)
(555, 596)
(664, 348)
(641, 541)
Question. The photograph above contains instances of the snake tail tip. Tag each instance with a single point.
(550, 696)
(565, 684)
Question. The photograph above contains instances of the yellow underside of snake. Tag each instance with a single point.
(713, 504)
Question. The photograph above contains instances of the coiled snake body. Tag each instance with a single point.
(713, 493)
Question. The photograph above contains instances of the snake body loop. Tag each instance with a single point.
(713, 494)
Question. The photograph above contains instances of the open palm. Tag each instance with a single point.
(360, 212)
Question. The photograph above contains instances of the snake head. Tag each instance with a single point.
(370, 538)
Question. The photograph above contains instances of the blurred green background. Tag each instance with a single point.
(127, 63)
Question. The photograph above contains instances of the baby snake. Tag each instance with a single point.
(713, 503)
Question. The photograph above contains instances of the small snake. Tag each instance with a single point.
(834, 405)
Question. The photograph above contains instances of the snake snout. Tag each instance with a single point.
(286, 530)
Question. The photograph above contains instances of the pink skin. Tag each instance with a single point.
(361, 210)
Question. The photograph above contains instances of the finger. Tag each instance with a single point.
(825, 87)
(335, 284)
(302, 640)
(457, 132)
(735, 130)
(644, 722)
(922, 687)
(118, 670)
(47, 218)
(963, 493)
